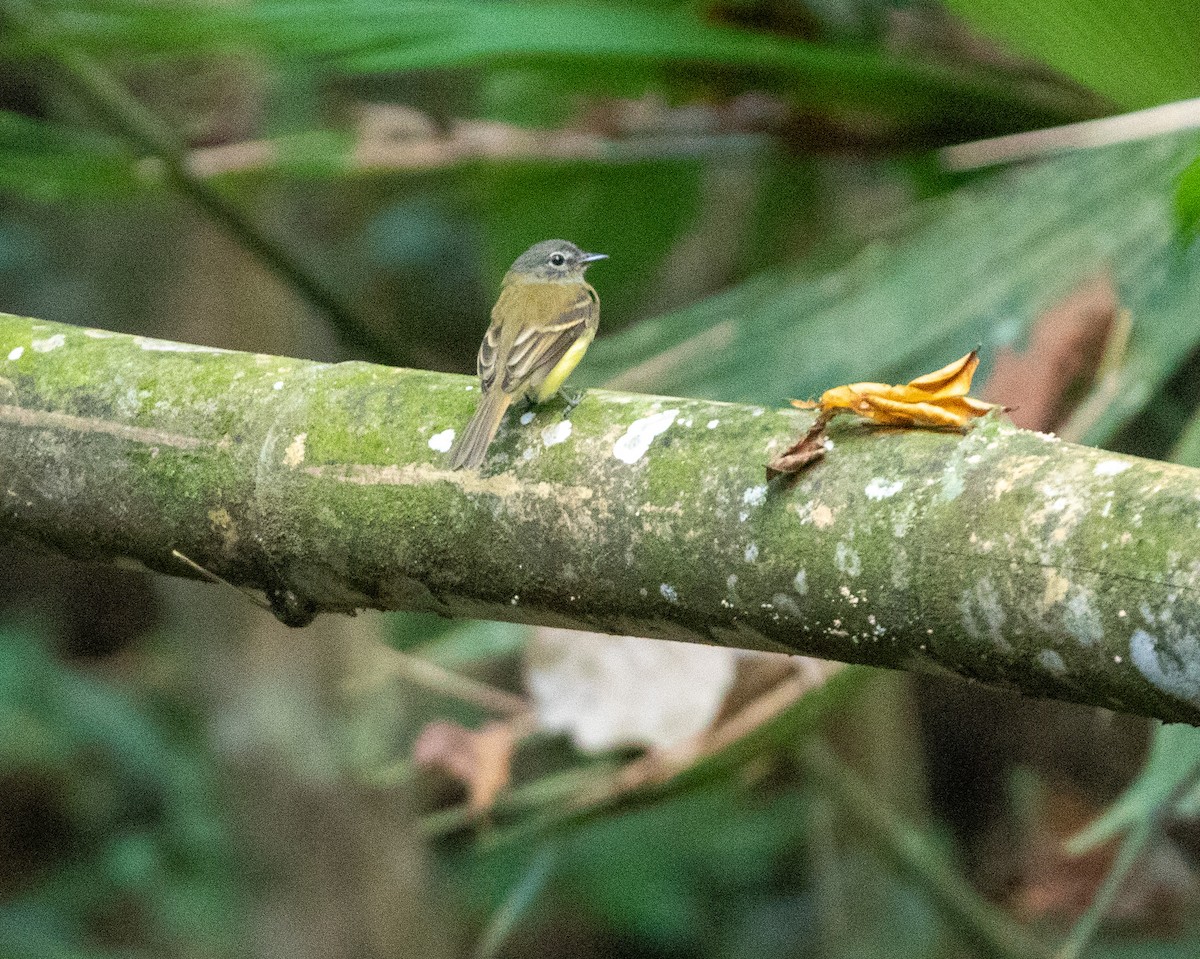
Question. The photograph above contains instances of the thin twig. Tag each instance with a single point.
(212, 577)
(430, 675)
(1126, 128)
(126, 115)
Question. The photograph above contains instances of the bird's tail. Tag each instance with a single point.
(469, 451)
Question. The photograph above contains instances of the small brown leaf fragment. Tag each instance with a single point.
(808, 449)
(480, 759)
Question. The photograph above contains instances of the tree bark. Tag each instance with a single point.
(1001, 555)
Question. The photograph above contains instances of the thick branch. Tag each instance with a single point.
(1002, 555)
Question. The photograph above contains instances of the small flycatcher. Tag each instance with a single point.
(542, 324)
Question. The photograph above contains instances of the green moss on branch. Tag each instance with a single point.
(1002, 555)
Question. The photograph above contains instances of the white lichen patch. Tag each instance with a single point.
(1051, 662)
(277, 385)
(1172, 666)
(527, 417)
(902, 519)
(713, 424)
(847, 560)
(49, 343)
(784, 602)
(800, 582)
(16, 353)
(441, 442)
(669, 593)
(294, 455)
(556, 433)
(169, 346)
(1111, 467)
(1055, 591)
(952, 482)
(636, 440)
(983, 614)
(754, 496)
(901, 570)
(879, 488)
(751, 554)
(1081, 618)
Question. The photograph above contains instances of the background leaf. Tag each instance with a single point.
(1138, 53)
(976, 268)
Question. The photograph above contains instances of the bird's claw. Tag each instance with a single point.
(571, 399)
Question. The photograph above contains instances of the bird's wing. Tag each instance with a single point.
(527, 356)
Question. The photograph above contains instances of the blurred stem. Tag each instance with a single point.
(917, 859)
(554, 790)
(516, 904)
(431, 676)
(1089, 922)
(122, 111)
(1187, 448)
(1135, 841)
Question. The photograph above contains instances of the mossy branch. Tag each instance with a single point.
(1002, 555)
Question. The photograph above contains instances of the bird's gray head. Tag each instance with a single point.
(553, 261)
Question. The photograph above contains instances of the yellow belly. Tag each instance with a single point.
(554, 380)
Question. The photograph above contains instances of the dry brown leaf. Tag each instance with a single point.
(809, 448)
(1066, 345)
(481, 759)
(937, 400)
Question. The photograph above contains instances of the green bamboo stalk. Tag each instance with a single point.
(1002, 556)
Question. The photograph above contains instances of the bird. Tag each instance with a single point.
(542, 324)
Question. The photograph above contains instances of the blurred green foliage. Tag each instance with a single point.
(776, 227)
(1138, 54)
(112, 826)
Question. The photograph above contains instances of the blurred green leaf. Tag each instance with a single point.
(1187, 447)
(976, 267)
(51, 163)
(1187, 199)
(607, 43)
(469, 642)
(1139, 54)
(1169, 777)
(517, 903)
(125, 812)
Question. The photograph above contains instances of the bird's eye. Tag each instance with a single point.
(557, 259)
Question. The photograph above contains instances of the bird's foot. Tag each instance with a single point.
(571, 399)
